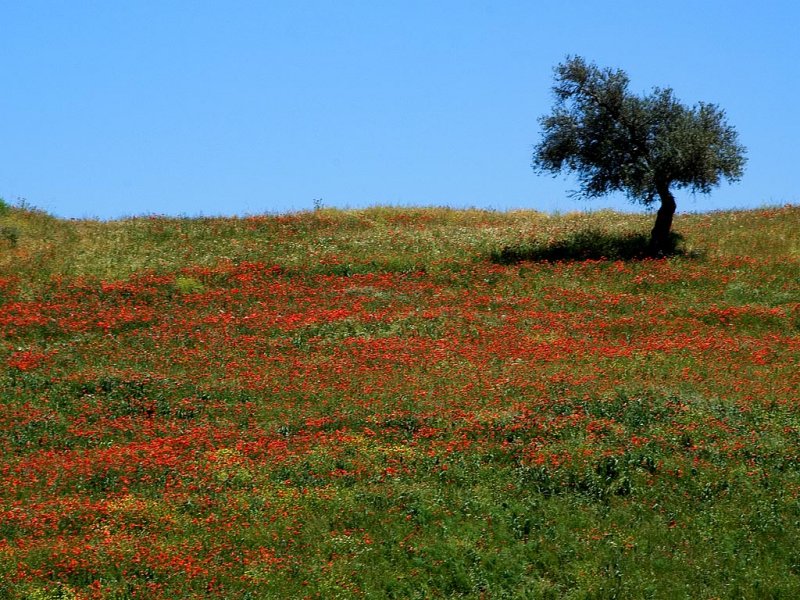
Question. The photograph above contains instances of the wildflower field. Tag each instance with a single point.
(399, 403)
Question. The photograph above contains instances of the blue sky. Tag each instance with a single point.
(112, 109)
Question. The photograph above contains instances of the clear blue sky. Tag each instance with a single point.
(119, 108)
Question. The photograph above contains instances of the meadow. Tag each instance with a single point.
(399, 403)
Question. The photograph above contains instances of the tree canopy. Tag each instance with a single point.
(614, 140)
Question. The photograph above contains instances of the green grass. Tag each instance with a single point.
(399, 403)
(370, 240)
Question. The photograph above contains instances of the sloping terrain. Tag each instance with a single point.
(399, 403)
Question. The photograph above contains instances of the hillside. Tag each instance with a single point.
(383, 239)
(399, 403)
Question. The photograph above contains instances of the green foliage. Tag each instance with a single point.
(188, 285)
(10, 235)
(614, 140)
(51, 592)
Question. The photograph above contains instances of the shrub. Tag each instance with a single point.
(188, 285)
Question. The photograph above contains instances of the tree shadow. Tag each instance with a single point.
(588, 244)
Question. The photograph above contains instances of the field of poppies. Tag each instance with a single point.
(399, 403)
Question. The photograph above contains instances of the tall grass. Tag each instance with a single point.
(375, 238)
(399, 403)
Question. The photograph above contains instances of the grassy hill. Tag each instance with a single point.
(399, 403)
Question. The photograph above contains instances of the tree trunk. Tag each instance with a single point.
(660, 243)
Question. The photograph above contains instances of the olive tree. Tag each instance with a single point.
(644, 146)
